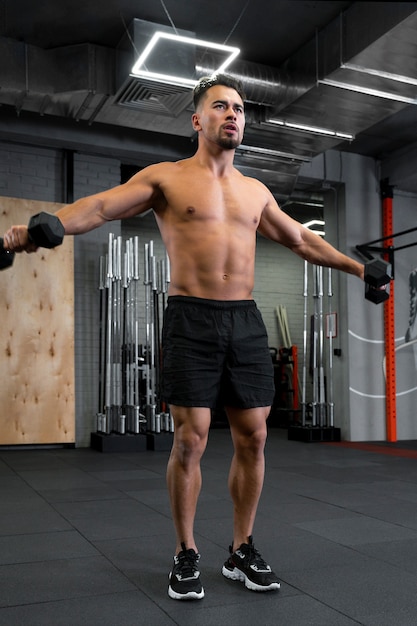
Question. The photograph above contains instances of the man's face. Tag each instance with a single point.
(221, 117)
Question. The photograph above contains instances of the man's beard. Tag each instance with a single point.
(228, 143)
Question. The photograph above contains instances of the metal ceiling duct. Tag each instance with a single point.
(88, 82)
(271, 89)
(29, 74)
(57, 81)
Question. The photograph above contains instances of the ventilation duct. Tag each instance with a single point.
(148, 95)
(90, 83)
(67, 82)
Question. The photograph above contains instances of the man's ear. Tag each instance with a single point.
(195, 120)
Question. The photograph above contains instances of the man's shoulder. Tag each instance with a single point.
(165, 168)
(254, 183)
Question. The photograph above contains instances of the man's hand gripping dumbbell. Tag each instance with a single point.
(43, 231)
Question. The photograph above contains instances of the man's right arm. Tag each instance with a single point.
(135, 196)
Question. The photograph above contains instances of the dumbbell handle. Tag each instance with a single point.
(6, 256)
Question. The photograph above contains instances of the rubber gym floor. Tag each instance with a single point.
(86, 537)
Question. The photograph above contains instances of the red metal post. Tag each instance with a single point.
(389, 322)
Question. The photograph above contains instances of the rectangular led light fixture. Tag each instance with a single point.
(139, 68)
(315, 130)
(269, 154)
(368, 91)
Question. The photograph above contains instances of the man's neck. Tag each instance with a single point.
(219, 160)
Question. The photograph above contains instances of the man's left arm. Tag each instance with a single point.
(280, 227)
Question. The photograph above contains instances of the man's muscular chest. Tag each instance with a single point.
(210, 199)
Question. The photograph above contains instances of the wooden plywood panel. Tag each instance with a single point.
(37, 398)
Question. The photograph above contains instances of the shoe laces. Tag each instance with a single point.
(252, 554)
(187, 561)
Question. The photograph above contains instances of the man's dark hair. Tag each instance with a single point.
(216, 79)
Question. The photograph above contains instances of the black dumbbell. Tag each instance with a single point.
(6, 256)
(44, 230)
(378, 275)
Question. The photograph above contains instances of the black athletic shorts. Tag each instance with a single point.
(215, 353)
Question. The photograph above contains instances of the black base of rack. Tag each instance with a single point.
(118, 443)
(312, 434)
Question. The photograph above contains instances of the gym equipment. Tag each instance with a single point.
(317, 416)
(305, 333)
(318, 405)
(156, 281)
(112, 418)
(388, 250)
(149, 278)
(6, 256)
(285, 404)
(330, 333)
(378, 274)
(118, 411)
(44, 230)
(131, 311)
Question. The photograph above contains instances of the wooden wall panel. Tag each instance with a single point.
(37, 397)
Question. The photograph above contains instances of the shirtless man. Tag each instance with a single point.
(214, 341)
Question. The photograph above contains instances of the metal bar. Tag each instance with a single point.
(305, 334)
(118, 329)
(149, 363)
(315, 355)
(331, 330)
(388, 237)
(102, 348)
(107, 426)
(135, 335)
(321, 381)
(126, 340)
(397, 248)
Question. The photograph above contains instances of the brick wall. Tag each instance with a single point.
(31, 172)
(91, 175)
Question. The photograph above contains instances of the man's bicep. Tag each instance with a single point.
(137, 195)
(278, 226)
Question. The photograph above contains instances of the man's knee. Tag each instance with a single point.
(249, 429)
(190, 434)
(189, 443)
(253, 442)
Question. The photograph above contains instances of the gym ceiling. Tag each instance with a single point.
(63, 85)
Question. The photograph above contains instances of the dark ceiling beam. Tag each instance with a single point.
(138, 147)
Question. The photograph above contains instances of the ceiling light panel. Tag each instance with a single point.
(315, 130)
(174, 58)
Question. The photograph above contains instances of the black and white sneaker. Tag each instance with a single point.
(184, 579)
(246, 565)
